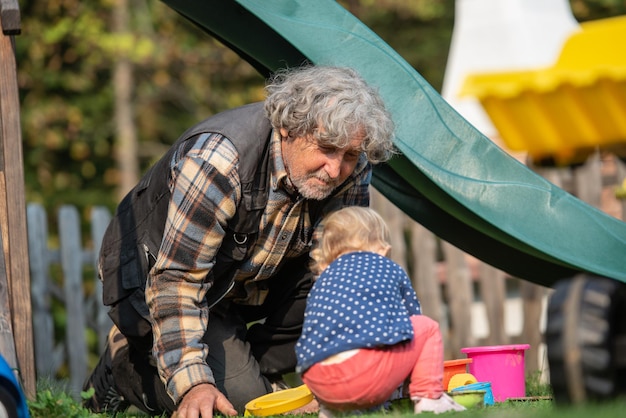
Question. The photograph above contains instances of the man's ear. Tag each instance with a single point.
(283, 133)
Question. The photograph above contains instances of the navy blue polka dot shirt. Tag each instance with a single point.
(360, 300)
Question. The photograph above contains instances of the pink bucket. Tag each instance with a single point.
(503, 366)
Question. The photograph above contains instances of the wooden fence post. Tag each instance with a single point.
(532, 299)
(460, 295)
(7, 343)
(72, 265)
(43, 328)
(12, 201)
(493, 294)
(620, 169)
(83, 308)
(424, 273)
(395, 220)
(425, 279)
(100, 218)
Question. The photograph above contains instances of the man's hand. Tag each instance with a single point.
(201, 401)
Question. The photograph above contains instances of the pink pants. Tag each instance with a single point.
(370, 377)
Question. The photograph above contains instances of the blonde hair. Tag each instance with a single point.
(352, 228)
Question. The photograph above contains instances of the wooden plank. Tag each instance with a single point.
(426, 280)
(533, 298)
(493, 295)
(13, 215)
(72, 266)
(7, 343)
(588, 181)
(424, 273)
(43, 326)
(100, 218)
(396, 222)
(10, 17)
(460, 295)
(621, 178)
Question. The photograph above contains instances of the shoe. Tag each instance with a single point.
(325, 412)
(444, 404)
(106, 397)
(277, 382)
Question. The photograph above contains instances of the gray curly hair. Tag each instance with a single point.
(330, 104)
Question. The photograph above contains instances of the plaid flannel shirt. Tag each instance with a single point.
(205, 191)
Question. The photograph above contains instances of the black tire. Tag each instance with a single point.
(8, 405)
(585, 337)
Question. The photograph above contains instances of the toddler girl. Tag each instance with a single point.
(363, 334)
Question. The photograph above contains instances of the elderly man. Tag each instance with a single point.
(205, 264)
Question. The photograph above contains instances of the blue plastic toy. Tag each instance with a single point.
(12, 400)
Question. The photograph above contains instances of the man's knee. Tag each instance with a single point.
(237, 373)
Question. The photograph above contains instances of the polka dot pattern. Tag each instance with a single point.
(361, 300)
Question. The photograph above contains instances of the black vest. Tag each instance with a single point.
(132, 239)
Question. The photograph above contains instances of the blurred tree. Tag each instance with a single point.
(597, 9)
(69, 52)
(67, 56)
(419, 30)
(126, 144)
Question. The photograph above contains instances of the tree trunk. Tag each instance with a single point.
(126, 146)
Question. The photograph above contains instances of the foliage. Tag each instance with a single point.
(420, 31)
(597, 9)
(55, 402)
(66, 54)
(536, 387)
(52, 403)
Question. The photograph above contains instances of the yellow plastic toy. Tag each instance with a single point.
(568, 110)
(461, 379)
(277, 403)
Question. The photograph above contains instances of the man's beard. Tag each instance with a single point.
(309, 186)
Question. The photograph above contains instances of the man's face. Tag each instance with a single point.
(316, 170)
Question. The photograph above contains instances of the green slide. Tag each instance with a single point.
(450, 177)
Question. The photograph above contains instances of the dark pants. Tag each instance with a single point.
(244, 360)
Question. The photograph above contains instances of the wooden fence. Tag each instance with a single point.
(79, 291)
(474, 303)
(63, 272)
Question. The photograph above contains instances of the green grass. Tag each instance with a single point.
(54, 402)
(534, 409)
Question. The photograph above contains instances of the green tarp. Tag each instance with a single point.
(450, 177)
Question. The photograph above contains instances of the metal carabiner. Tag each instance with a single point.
(238, 240)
